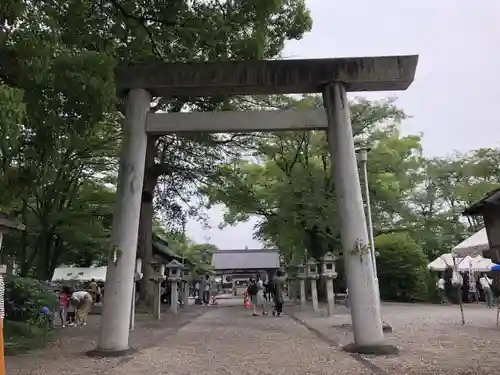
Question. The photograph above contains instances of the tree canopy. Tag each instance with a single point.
(287, 183)
(60, 131)
(60, 119)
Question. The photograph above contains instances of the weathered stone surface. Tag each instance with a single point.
(267, 77)
(229, 121)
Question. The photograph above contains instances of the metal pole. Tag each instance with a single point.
(363, 158)
(362, 155)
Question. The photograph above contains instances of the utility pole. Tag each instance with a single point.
(362, 156)
(363, 161)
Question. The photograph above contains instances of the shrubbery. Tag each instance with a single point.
(24, 298)
(402, 268)
(25, 327)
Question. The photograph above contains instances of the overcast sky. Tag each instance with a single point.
(454, 100)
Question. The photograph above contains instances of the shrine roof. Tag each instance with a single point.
(247, 259)
(476, 208)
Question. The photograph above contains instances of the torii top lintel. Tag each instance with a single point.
(260, 77)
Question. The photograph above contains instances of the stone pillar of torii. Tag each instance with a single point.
(330, 77)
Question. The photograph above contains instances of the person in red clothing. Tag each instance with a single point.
(64, 297)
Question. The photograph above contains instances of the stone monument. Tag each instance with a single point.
(174, 276)
(301, 276)
(329, 274)
(158, 278)
(313, 275)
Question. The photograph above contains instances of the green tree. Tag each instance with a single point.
(178, 166)
(63, 119)
(292, 188)
(443, 188)
(402, 268)
(67, 135)
(197, 256)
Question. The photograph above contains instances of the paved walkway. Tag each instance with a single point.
(228, 340)
(67, 356)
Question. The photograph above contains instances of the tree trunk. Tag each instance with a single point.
(44, 244)
(23, 259)
(145, 247)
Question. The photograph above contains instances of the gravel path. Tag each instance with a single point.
(431, 338)
(231, 341)
(228, 340)
(67, 355)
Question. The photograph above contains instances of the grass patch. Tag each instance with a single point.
(21, 337)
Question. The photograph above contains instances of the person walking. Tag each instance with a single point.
(279, 292)
(440, 286)
(486, 282)
(93, 289)
(268, 293)
(253, 291)
(261, 300)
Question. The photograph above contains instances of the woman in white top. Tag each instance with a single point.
(82, 300)
(261, 300)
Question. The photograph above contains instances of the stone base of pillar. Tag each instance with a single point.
(381, 349)
(100, 353)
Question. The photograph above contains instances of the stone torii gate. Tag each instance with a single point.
(330, 77)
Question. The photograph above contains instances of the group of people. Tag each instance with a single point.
(469, 289)
(263, 294)
(75, 306)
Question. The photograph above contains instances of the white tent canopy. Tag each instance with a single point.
(445, 261)
(476, 264)
(79, 274)
(473, 246)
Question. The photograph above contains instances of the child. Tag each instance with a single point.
(246, 301)
(70, 314)
(63, 305)
(48, 317)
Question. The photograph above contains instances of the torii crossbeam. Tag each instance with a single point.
(330, 77)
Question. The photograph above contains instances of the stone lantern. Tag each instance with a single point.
(175, 274)
(329, 273)
(312, 268)
(313, 275)
(301, 275)
(328, 265)
(301, 271)
(158, 277)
